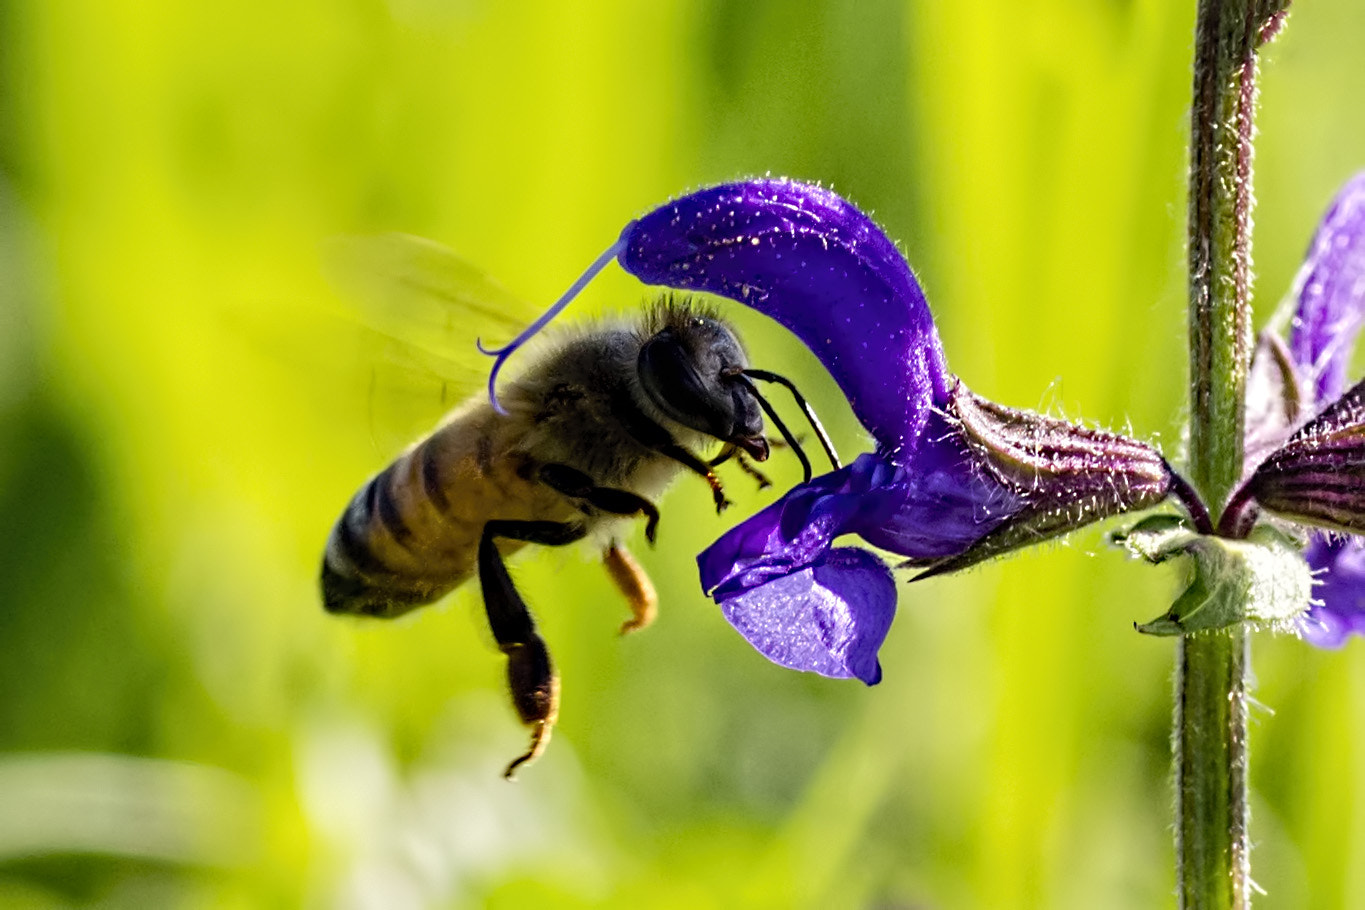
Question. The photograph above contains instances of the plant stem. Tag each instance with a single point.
(1212, 848)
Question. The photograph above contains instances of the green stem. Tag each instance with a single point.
(1212, 851)
(1212, 848)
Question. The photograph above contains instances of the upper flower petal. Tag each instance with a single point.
(815, 263)
(1330, 291)
(829, 617)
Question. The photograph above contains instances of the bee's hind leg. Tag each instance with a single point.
(574, 483)
(530, 673)
(632, 581)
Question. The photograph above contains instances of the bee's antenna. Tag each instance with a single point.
(510, 348)
(768, 376)
(777, 422)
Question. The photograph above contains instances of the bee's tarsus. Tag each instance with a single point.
(540, 738)
(632, 582)
(717, 492)
(697, 466)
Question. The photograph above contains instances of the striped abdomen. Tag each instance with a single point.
(411, 534)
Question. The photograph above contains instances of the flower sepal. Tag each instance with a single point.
(1155, 538)
(1318, 476)
(1262, 580)
(1060, 475)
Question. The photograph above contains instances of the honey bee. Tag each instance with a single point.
(587, 436)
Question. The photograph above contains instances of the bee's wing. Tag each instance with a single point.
(422, 294)
(419, 309)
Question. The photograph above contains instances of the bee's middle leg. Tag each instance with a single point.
(652, 436)
(573, 482)
(530, 673)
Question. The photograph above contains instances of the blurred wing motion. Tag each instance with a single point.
(422, 294)
(419, 308)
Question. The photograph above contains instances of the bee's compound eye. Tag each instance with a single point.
(694, 383)
(670, 376)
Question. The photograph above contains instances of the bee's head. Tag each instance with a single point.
(691, 368)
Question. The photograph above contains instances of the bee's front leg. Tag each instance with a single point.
(652, 436)
(530, 673)
(694, 464)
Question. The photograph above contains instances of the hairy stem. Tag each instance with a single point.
(1212, 848)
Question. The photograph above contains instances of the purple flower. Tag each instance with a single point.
(1340, 607)
(1330, 288)
(953, 479)
(1317, 474)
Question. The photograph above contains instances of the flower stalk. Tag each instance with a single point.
(1213, 668)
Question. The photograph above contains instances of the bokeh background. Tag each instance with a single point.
(185, 406)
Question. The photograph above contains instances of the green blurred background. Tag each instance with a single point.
(183, 415)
